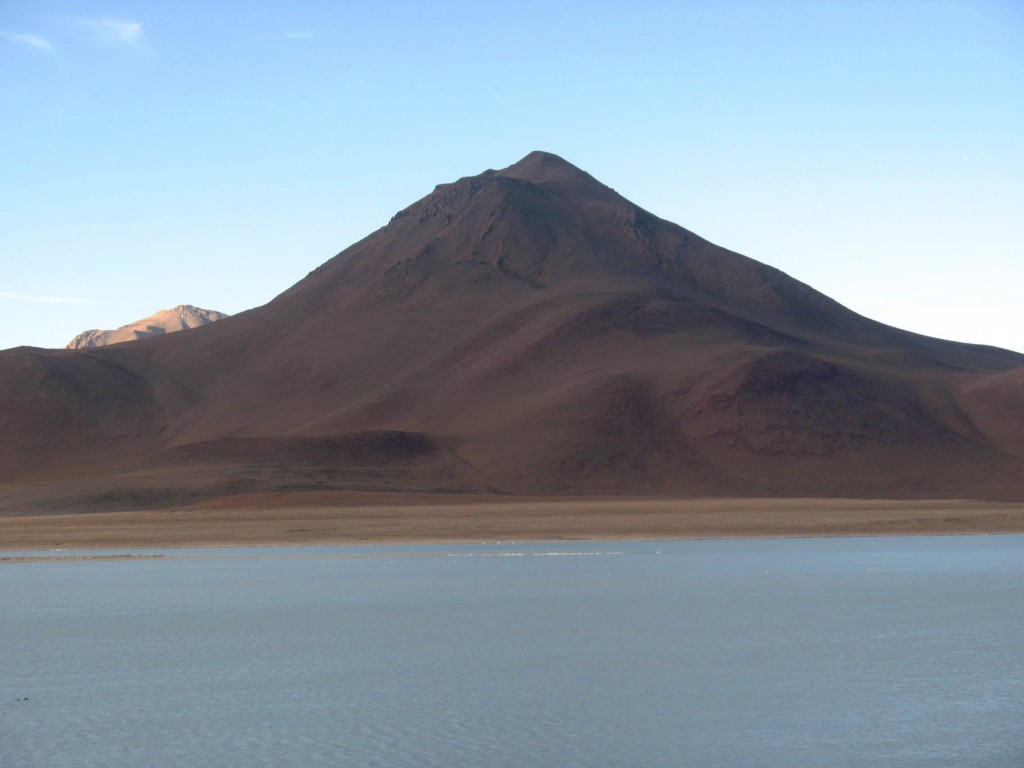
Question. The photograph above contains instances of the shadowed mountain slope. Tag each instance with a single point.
(522, 331)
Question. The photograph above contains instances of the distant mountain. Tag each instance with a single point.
(180, 318)
(523, 331)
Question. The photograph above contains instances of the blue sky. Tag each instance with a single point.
(159, 153)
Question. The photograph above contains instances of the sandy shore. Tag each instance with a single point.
(394, 518)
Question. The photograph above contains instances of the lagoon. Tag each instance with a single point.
(896, 651)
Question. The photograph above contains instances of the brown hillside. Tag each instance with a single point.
(523, 331)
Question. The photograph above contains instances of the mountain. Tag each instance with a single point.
(180, 318)
(523, 331)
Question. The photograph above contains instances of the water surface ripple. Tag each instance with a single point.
(806, 652)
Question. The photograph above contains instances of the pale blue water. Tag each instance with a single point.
(782, 653)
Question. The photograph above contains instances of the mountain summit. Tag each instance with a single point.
(525, 331)
(180, 318)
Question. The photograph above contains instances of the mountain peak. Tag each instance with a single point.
(541, 166)
(180, 318)
(521, 331)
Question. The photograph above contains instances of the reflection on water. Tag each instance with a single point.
(812, 652)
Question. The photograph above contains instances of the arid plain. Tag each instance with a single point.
(387, 519)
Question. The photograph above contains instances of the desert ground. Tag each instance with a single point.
(360, 518)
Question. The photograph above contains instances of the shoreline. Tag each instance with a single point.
(393, 519)
(133, 554)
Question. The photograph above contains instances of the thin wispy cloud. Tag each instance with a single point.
(44, 299)
(23, 38)
(115, 31)
(298, 35)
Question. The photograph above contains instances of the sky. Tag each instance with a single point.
(163, 153)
